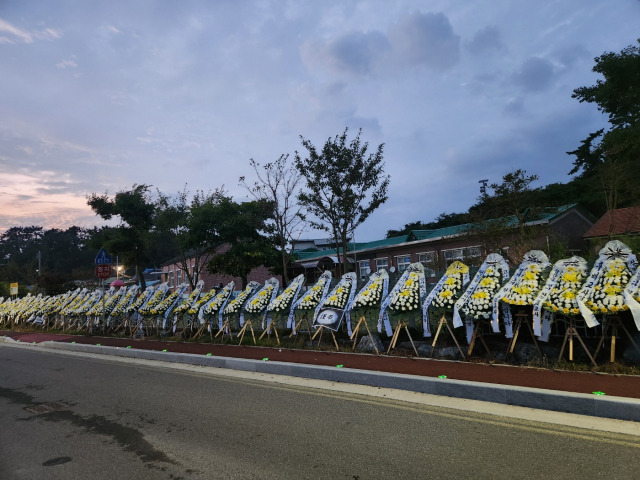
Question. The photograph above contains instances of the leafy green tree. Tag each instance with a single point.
(191, 223)
(243, 230)
(510, 207)
(609, 157)
(131, 238)
(344, 185)
(277, 182)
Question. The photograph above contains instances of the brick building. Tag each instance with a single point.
(436, 249)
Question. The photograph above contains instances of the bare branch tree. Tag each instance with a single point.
(278, 182)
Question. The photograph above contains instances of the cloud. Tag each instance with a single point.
(425, 39)
(16, 35)
(354, 52)
(418, 39)
(486, 40)
(569, 55)
(66, 64)
(514, 106)
(10, 34)
(535, 74)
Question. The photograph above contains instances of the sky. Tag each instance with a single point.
(98, 96)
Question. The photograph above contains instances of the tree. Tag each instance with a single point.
(344, 185)
(192, 225)
(608, 157)
(278, 182)
(512, 204)
(242, 229)
(130, 239)
(19, 247)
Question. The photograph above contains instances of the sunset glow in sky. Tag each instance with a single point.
(96, 96)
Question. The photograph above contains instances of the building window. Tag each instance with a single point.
(178, 277)
(471, 256)
(381, 263)
(403, 262)
(428, 261)
(170, 280)
(363, 269)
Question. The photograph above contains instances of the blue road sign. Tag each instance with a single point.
(103, 258)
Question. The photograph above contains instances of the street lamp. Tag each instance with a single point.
(118, 269)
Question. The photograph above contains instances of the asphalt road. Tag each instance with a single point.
(111, 419)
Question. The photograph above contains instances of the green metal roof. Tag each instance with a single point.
(422, 235)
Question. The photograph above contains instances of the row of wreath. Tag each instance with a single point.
(568, 287)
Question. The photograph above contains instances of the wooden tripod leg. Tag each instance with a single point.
(535, 340)
(354, 335)
(474, 336)
(317, 332)
(454, 339)
(242, 331)
(614, 332)
(296, 327)
(221, 331)
(394, 338)
(514, 340)
(564, 342)
(335, 342)
(253, 335)
(435, 338)
(601, 342)
(413, 344)
(585, 347)
(308, 327)
(371, 337)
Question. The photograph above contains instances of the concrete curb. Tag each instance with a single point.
(619, 408)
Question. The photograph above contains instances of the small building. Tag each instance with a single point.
(619, 224)
(173, 272)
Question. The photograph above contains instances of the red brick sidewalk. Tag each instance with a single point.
(579, 382)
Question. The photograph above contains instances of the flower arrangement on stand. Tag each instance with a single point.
(234, 307)
(312, 297)
(369, 299)
(339, 296)
(603, 292)
(259, 302)
(444, 295)
(123, 304)
(370, 296)
(309, 302)
(283, 303)
(406, 299)
(107, 300)
(140, 300)
(186, 303)
(476, 303)
(330, 311)
(158, 295)
(559, 295)
(196, 308)
(213, 306)
(521, 289)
